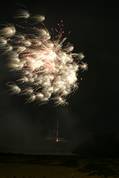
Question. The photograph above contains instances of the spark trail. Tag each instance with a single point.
(47, 67)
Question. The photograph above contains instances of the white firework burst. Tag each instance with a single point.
(47, 68)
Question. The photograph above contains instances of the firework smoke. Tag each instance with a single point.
(47, 67)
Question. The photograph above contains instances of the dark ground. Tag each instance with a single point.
(52, 166)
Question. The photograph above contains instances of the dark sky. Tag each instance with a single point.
(90, 121)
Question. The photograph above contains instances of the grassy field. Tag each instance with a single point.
(58, 167)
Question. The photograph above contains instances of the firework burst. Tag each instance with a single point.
(47, 67)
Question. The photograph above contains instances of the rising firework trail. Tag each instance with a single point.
(46, 66)
(56, 138)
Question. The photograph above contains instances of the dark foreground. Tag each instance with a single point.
(57, 166)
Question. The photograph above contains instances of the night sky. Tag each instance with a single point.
(89, 123)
